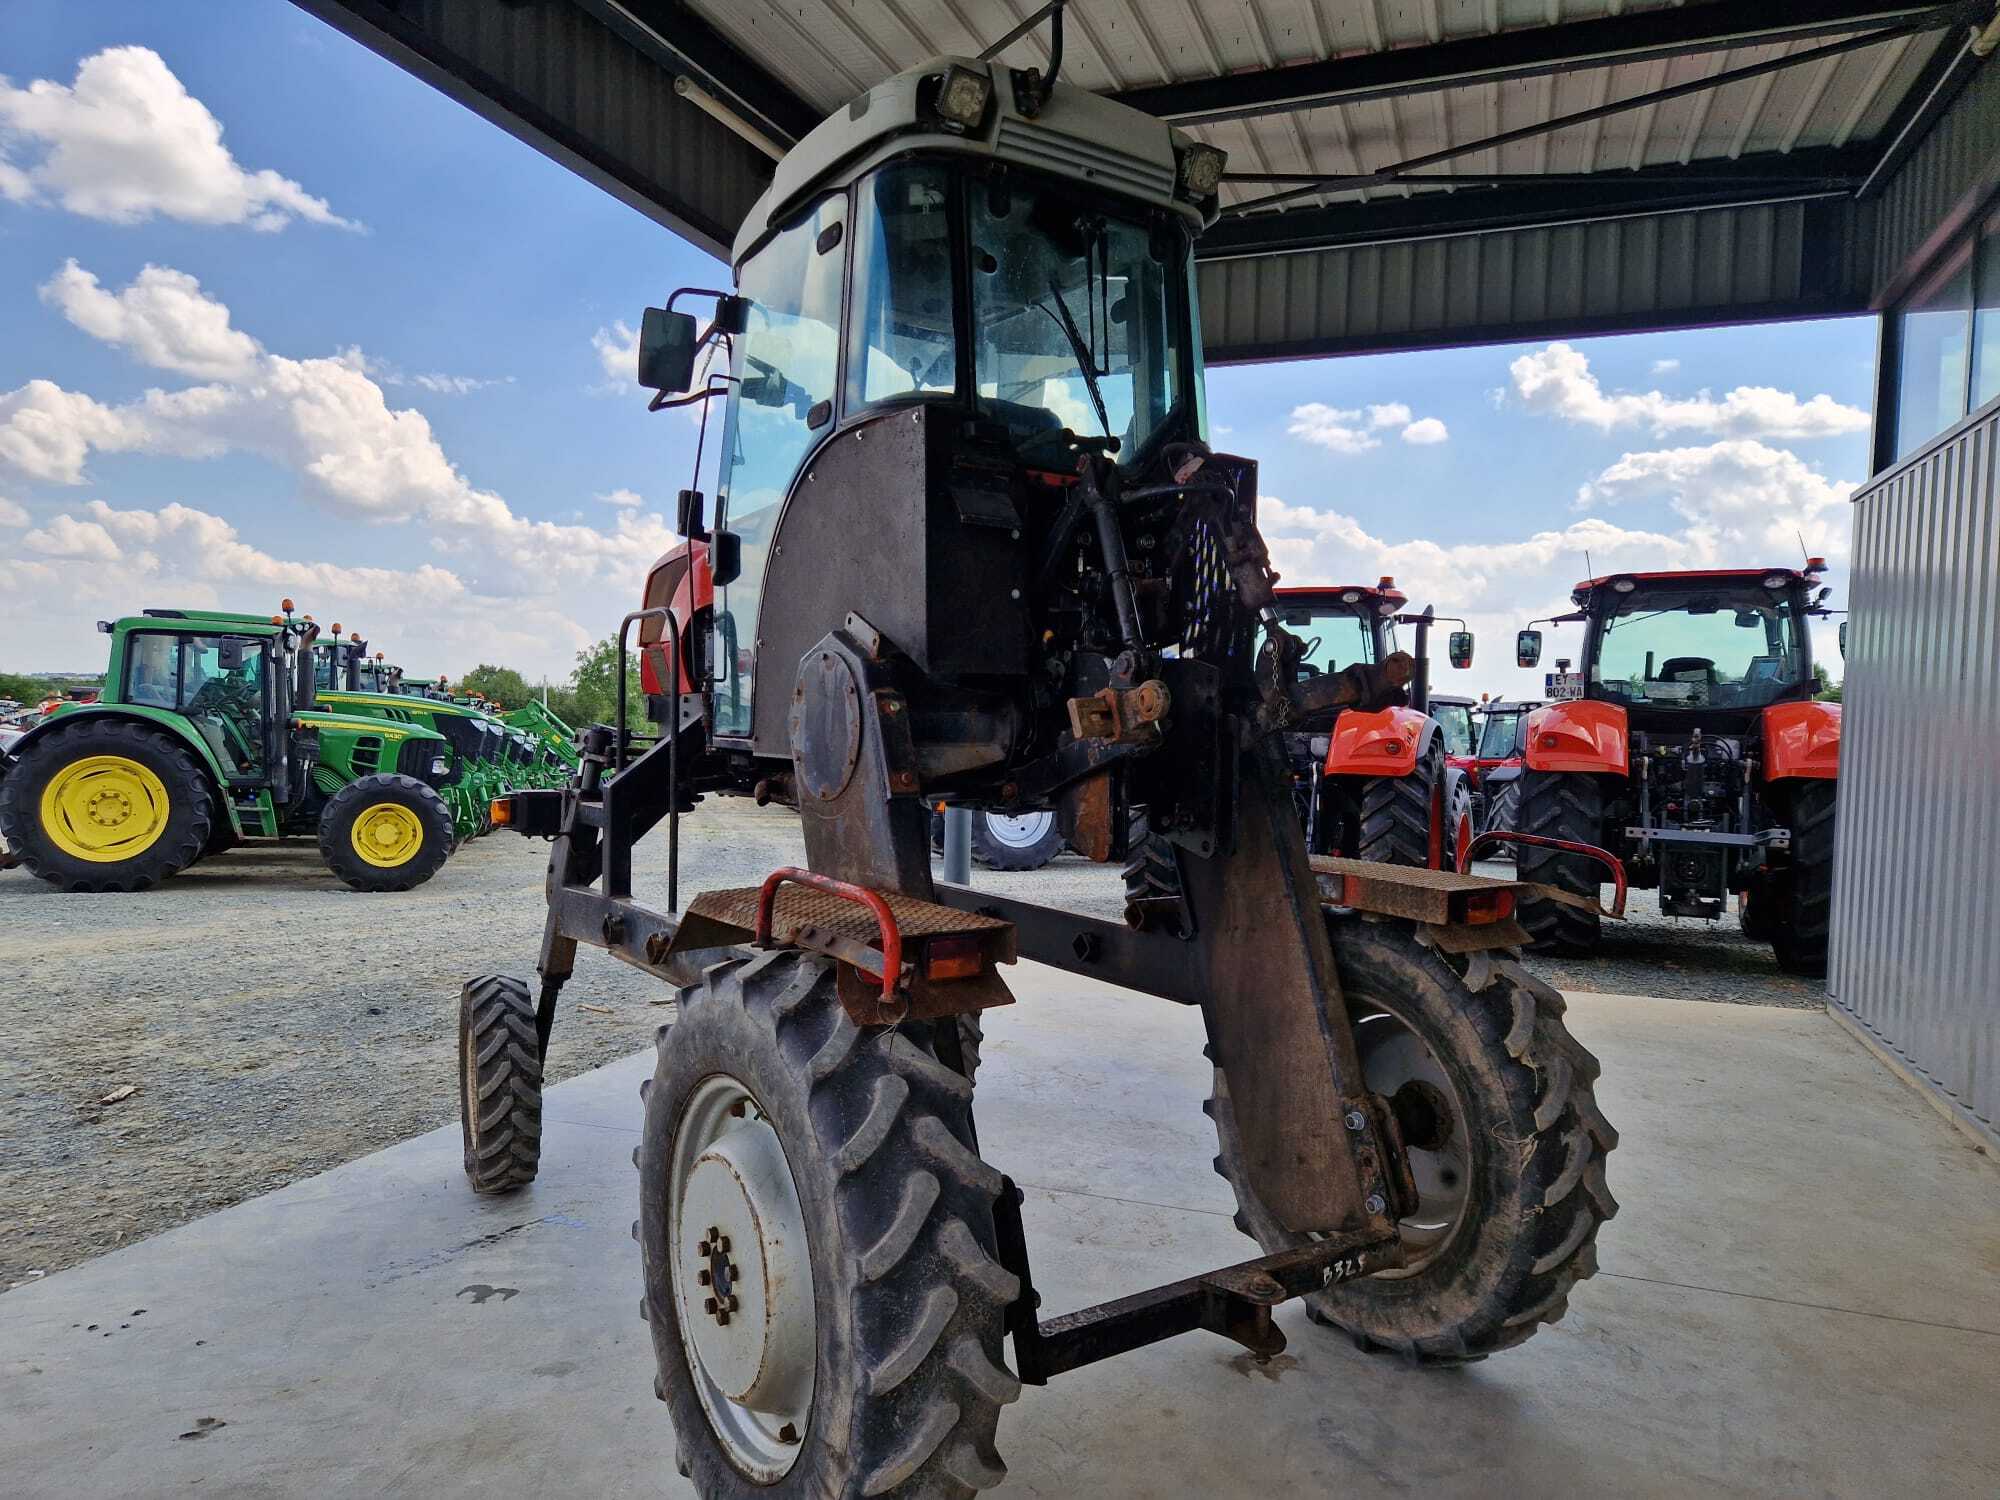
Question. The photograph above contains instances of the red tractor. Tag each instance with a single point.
(1689, 745)
(1375, 783)
(1496, 767)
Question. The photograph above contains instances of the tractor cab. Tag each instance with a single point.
(965, 280)
(228, 677)
(1340, 627)
(1676, 651)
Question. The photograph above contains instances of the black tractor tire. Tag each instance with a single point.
(221, 838)
(1532, 1140)
(499, 1083)
(998, 847)
(363, 795)
(1152, 873)
(909, 1296)
(1459, 824)
(1560, 805)
(1502, 814)
(191, 809)
(1397, 811)
(1803, 918)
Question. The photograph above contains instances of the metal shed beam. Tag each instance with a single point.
(1527, 53)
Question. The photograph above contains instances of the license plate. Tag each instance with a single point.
(1563, 685)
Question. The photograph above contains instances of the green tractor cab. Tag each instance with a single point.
(207, 733)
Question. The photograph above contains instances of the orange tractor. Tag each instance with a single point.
(1689, 745)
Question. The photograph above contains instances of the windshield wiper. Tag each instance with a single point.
(1084, 362)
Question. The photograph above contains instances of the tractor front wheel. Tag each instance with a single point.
(817, 1236)
(385, 833)
(1503, 1136)
(1560, 805)
(499, 1083)
(105, 804)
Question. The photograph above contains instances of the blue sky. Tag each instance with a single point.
(383, 384)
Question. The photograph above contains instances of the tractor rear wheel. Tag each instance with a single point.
(499, 1083)
(1399, 814)
(817, 1236)
(105, 804)
(1559, 805)
(1026, 842)
(385, 833)
(1503, 813)
(1504, 1139)
(1804, 908)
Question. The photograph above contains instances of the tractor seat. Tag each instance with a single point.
(1687, 669)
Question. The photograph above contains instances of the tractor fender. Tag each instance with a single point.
(1579, 735)
(1802, 739)
(683, 582)
(1387, 742)
(166, 722)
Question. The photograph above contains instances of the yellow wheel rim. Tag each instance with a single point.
(104, 808)
(387, 834)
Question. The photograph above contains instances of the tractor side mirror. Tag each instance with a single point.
(1528, 648)
(689, 523)
(725, 558)
(666, 350)
(1459, 649)
(1843, 640)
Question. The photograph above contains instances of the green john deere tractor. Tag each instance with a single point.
(548, 728)
(207, 733)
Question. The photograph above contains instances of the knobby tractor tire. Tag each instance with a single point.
(1396, 812)
(180, 826)
(1799, 926)
(997, 850)
(908, 1375)
(368, 796)
(1524, 1124)
(1560, 805)
(499, 1084)
(1503, 815)
(1151, 871)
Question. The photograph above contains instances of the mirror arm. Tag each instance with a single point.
(661, 401)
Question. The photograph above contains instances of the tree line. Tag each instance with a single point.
(588, 696)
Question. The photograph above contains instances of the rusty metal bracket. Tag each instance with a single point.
(1118, 715)
(1615, 910)
(1235, 1301)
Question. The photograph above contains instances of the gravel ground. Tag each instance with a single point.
(271, 1024)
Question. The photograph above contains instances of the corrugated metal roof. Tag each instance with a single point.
(830, 50)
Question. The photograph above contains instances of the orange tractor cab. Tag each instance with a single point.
(1687, 742)
(1375, 782)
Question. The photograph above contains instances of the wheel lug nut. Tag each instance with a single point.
(723, 1246)
(708, 1304)
(701, 1278)
(1355, 1119)
(701, 1249)
(733, 1305)
(1375, 1203)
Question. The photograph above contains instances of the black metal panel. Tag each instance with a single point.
(875, 500)
(1525, 53)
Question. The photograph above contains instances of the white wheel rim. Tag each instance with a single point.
(1023, 832)
(1396, 1063)
(742, 1276)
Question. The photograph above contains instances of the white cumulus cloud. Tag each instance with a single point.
(617, 353)
(1751, 502)
(1665, 366)
(1425, 431)
(126, 142)
(623, 499)
(1352, 430)
(1557, 381)
(12, 513)
(1389, 414)
(162, 319)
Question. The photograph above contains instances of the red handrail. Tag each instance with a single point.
(860, 895)
(1568, 846)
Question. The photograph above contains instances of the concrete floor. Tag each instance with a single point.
(1800, 1297)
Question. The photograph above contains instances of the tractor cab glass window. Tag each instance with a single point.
(902, 338)
(786, 361)
(222, 691)
(1733, 647)
(152, 670)
(1072, 315)
(1455, 719)
(1335, 639)
(1499, 736)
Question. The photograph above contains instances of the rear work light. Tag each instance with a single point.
(503, 812)
(1482, 907)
